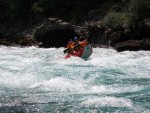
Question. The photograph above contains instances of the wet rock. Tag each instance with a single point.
(131, 45)
(131, 38)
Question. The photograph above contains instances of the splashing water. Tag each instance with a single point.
(42, 81)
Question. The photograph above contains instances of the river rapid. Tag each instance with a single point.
(36, 80)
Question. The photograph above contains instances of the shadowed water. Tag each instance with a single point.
(34, 80)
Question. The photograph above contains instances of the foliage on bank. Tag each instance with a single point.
(33, 11)
(128, 12)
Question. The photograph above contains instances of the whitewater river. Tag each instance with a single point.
(34, 80)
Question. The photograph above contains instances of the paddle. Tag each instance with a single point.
(77, 47)
(66, 50)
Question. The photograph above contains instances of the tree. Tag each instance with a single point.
(139, 10)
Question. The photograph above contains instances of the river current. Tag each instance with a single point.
(36, 80)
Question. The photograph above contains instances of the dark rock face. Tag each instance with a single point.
(122, 38)
(146, 44)
(144, 28)
(137, 39)
(132, 45)
(54, 33)
(1, 35)
(95, 34)
(19, 40)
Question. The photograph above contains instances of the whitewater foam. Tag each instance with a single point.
(44, 81)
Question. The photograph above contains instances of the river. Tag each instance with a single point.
(36, 80)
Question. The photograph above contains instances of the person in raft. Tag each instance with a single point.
(70, 47)
(83, 42)
(76, 45)
(80, 44)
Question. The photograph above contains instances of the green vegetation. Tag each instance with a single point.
(31, 12)
(138, 10)
(127, 12)
(114, 18)
(36, 10)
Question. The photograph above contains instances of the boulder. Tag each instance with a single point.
(118, 36)
(115, 36)
(131, 45)
(54, 33)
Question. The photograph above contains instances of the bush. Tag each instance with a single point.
(113, 19)
(138, 10)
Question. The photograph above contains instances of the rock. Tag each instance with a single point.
(137, 39)
(54, 33)
(95, 33)
(131, 45)
(115, 36)
(144, 28)
(146, 44)
(118, 36)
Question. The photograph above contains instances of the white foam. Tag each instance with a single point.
(107, 102)
(47, 70)
(60, 84)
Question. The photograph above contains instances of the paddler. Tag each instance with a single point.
(76, 44)
(83, 43)
(70, 47)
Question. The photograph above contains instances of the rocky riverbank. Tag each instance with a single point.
(120, 24)
(56, 33)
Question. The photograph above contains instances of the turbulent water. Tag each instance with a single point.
(34, 80)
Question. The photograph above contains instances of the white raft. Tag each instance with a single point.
(87, 51)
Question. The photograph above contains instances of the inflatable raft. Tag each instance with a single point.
(83, 52)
